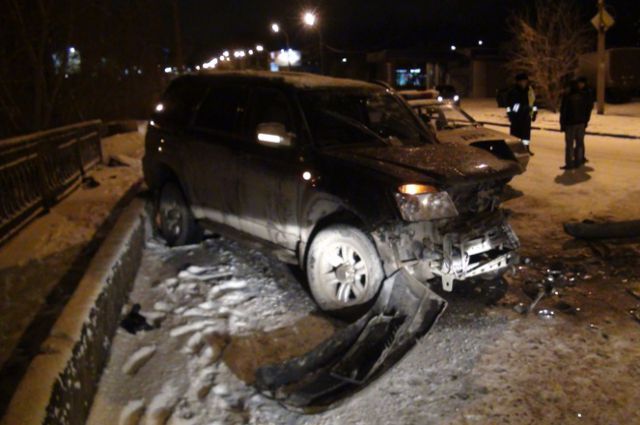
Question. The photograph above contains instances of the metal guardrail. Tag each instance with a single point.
(37, 170)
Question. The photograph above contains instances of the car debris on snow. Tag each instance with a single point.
(589, 229)
(135, 322)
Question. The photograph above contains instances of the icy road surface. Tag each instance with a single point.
(221, 310)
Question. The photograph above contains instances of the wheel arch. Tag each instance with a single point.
(340, 215)
(163, 173)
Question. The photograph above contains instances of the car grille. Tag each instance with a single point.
(477, 198)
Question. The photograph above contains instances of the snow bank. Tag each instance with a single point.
(59, 385)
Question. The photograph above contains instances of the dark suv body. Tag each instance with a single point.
(338, 176)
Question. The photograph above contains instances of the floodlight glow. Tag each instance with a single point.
(259, 48)
(480, 42)
(225, 53)
(453, 47)
(275, 27)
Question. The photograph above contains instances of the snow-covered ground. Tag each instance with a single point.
(623, 119)
(46, 251)
(221, 310)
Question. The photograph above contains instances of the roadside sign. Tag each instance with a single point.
(606, 22)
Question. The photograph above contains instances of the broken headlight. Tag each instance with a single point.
(421, 203)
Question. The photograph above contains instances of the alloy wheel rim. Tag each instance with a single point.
(173, 219)
(344, 274)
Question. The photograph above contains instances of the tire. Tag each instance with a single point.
(343, 269)
(174, 220)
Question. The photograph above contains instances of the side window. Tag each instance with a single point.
(222, 110)
(269, 106)
(179, 103)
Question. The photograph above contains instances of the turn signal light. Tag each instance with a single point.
(416, 189)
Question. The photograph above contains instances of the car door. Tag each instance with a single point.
(270, 176)
(215, 135)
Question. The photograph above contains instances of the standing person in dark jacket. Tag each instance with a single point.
(522, 110)
(575, 113)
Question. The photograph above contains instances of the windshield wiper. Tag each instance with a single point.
(356, 124)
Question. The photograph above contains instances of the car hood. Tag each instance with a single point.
(444, 163)
(470, 134)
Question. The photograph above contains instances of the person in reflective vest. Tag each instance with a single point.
(522, 109)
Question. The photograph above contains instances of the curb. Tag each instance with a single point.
(60, 383)
(557, 130)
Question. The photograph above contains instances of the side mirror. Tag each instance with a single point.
(273, 134)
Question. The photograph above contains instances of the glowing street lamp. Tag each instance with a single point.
(453, 47)
(275, 28)
(259, 48)
(309, 19)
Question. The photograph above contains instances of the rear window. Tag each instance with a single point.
(178, 104)
(222, 109)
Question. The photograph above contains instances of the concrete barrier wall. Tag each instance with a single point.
(61, 382)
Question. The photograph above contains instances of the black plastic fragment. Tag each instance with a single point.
(403, 313)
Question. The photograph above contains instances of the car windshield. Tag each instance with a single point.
(446, 117)
(360, 117)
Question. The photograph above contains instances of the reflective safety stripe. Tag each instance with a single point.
(516, 107)
(525, 142)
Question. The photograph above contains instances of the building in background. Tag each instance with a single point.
(474, 72)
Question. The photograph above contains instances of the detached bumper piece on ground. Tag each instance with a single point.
(404, 312)
(603, 230)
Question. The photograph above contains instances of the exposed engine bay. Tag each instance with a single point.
(479, 243)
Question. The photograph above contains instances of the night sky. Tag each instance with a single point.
(360, 25)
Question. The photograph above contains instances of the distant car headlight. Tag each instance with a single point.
(456, 98)
(440, 98)
(418, 202)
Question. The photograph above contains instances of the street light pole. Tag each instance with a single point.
(310, 19)
(275, 28)
(322, 67)
(600, 89)
(177, 33)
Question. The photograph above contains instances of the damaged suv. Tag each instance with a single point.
(337, 176)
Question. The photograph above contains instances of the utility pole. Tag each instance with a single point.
(602, 29)
(179, 59)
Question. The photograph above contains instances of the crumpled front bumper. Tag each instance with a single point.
(404, 312)
(467, 255)
(482, 246)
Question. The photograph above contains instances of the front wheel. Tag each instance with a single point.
(174, 219)
(343, 268)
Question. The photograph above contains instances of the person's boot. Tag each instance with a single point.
(568, 167)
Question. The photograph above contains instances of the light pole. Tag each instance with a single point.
(275, 28)
(177, 34)
(600, 83)
(310, 19)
